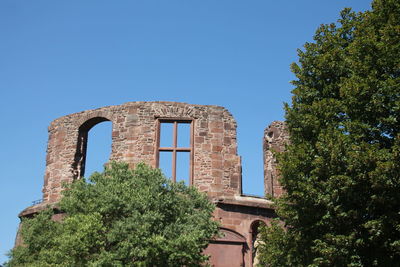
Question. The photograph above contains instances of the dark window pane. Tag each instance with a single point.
(182, 167)
(98, 148)
(184, 135)
(165, 163)
(166, 132)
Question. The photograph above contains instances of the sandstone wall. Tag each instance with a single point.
(216, 165)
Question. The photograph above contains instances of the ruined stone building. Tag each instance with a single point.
(214, 165)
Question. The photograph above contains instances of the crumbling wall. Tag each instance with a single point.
(216, 165)
(275, 138)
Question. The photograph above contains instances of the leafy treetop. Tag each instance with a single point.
(341, 171)
(121, 217)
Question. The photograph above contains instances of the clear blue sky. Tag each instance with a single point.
(61, 57)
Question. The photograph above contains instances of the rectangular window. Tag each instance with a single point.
(175, 149)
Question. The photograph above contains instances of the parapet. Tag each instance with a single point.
(214, 165)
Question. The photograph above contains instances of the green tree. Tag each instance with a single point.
(341, 170)
(121, 217)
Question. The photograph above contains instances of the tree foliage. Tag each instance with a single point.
(341, 171)
(121, 217)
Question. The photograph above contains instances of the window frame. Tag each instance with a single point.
(175, 149)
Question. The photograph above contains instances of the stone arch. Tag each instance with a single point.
(81, 145)
(255, 240)
(227, 250)
(229, 235)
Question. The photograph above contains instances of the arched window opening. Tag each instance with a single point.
(93, 148)
(255, 240)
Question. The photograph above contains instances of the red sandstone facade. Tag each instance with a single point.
(215, 165)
